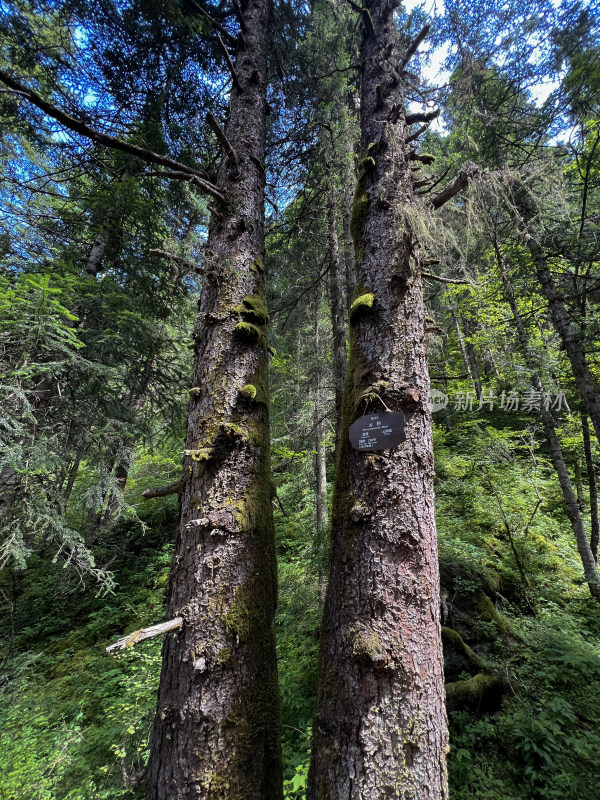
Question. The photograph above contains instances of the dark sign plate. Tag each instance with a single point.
(378, 431)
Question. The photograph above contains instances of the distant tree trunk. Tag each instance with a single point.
(349, 256)
(568, 333)
(573, 513)
(461, 345)
(336, 302)
(321, 515)
(593, 485)
(96, 255)
(216, 730)
(380, 726)
(474, 369)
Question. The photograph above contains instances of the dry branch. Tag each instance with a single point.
(457, 185)
(412, 49)
(145, 633)
(417, 133)
(164, 491)
(230, 66)
(438, 278)
(223, 140)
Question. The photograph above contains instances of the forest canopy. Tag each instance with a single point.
(299, 399)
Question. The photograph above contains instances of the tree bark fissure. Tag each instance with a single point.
(216, 730)
(380, 727)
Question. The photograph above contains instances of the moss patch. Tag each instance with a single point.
(253, 308)
(487, 611)
(482, 693)
(360, 305)
(248, 331)
(249, 391)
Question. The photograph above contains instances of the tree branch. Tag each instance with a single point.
(163, 491)
(223, 140)
(432, 277)
(366, 17)
(412, 49)
(230, 65)
(77, 126)
(191, 265)
(216, 25)
(145, 633)
(422, 116)
(457, 185)
(417, 133)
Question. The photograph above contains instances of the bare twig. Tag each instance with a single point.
(438, 278)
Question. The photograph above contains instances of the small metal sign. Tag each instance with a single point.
(378, 431)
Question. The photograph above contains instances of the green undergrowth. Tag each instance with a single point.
(74, 721)
(521, 636)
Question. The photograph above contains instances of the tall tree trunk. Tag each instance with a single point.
(380, 725)
(336, 302)
(573, 513)
(216, 730)
(568, 333)
(349, 256)
(461, 344)
(474, 369)
(593, 486)
(321, 515)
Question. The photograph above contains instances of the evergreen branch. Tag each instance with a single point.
(80, 127)
(145, 633)
(457, 185)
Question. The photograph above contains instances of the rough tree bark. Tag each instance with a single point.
(380, 725)
(216, 730)
(573, 512)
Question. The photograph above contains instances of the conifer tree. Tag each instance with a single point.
(380, 725)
